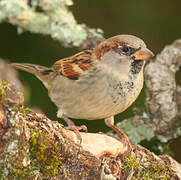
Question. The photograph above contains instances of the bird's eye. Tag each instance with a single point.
(126, 50)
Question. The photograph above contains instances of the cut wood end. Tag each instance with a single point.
(98, 144)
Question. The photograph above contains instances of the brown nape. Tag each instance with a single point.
(107, 46)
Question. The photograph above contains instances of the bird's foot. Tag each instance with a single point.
(71, 126)
(124, 137)
(110, 122)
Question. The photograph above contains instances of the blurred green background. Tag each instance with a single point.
(157, 22)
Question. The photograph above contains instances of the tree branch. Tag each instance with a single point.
(34, 147)
(49, 17)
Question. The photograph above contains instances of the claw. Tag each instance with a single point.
(71, 126)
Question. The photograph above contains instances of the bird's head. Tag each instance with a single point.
(123, 53)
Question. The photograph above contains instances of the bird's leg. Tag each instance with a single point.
(72, 126)
(110, 123)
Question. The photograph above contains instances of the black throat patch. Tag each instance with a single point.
(136, 66)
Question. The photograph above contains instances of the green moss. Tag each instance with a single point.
(4, 83)
(21, 174)
(132, 164)
(31, 126)
(45, 153)
(15, 108)
(2, 91)
(155, 169)
(1, 173)
(22, 110)
(26, 111)
(4, 172)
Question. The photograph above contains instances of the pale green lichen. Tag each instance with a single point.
(136, 133)
(11, 8)
(17, 131)
(12, 121)
(106, 176)
(7, 136)
(97, 32)
(15, 156)
(54, 19)
(13, 147)
(3, 172)
(49, 5)
(26, 161)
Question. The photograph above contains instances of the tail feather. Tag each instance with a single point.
(41, 72)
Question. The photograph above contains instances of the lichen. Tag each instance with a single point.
(13, 166)
(45, 153)
(54, 19)
(137, 132)
(13, 147)
(155, 169)
(3, 172)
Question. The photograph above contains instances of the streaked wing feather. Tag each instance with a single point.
(72, 67)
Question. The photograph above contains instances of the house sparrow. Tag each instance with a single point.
(97, 83)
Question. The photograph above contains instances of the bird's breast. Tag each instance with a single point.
(124, 93)
(98, 97)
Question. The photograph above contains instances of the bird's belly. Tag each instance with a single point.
(93, 101)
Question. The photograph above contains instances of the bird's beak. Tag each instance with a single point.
(143, 54)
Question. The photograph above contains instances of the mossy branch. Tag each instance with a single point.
(34, 147)
(49, 17)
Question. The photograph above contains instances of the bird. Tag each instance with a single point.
(98, 83)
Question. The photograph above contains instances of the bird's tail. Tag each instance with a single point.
(41, 72)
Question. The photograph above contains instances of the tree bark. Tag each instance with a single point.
(34, 147)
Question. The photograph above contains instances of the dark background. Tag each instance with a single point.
(158, 23)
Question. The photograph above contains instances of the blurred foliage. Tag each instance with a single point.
(157, 22)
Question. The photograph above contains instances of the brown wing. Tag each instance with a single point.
(72, 67)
